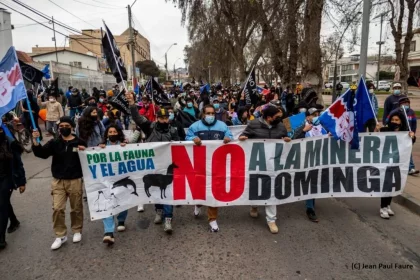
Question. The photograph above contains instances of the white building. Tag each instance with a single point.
(348, 68)
(6, 27)
(414, 55)
(71, 58)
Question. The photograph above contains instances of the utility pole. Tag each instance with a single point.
(55, 41)
(209, 74)
(131, 42)
(380, 43)
(365, 37)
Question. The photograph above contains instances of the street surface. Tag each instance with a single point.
(350, 233)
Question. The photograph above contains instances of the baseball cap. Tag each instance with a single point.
(403, 99)
(162, 113)
(66, 119)
(313, 110)
(396, 85)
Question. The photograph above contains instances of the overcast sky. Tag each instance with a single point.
(158, 21)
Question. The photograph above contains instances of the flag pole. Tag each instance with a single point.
(406, 119)
(248, 79)
(116, 62)
(27, 98)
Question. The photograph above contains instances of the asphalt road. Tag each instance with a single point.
(350, 234)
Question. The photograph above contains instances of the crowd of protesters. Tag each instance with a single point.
(91, 120)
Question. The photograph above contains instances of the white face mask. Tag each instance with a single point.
(371, 91)
(52, 100)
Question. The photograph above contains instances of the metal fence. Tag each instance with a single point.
(80, 77)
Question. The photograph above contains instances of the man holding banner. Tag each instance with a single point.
(269, 126)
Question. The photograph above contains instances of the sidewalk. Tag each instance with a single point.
(410, 198)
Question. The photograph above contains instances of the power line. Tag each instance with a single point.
(94, 5)
(107, 4)
(70, 13)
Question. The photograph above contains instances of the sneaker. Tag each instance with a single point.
(108, 238)
(213, 226)
(273, 227)
(140, 208)
(253, 212)
(77, 237)
(168, 225)
(58, 242)
(197, 211)
(384, 213)
(413, 171)
(158, 217)
(121, 227)
(389, 210)
(311, 215)
(13, 227)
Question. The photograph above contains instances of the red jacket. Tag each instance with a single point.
(149, 113)
(103, 107)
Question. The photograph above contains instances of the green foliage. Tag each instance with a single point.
(148, 67)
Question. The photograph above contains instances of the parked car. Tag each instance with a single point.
(383, 85)
(345, 85)
(328, 85)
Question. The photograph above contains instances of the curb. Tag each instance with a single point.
(408, 201)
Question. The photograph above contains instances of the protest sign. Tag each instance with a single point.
(253, 172)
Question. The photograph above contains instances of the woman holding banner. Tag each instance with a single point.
(113, 136)
(396, 122)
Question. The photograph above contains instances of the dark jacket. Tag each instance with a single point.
(151, 129)
(74, 101)
(391, 103)
(18, 172)
(65, 162)
(258, 129)
(180, 128)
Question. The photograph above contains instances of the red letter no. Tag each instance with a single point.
(196, 175)
(237, 173)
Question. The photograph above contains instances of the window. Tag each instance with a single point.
(413, 46)
(76, 64)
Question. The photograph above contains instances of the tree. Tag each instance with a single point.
(398, 9)
(311, 48)
(148, 67)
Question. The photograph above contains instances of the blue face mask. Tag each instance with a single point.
(397, 91)
(171, 116)
(209, 119)
(216, 106)
(189, 104)
(406, 107)
(315, 121)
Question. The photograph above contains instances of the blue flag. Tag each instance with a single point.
(363, 109)
(294, 124)
(260, 89)
(181, 88)
(46, 72)
(338, 119)
(205, 88)
(12, 88)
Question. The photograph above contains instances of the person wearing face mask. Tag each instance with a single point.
(54, 113)
(148, 109)
(12, 176)
(113, 136)
(89, 128)
(173, 122)
(190, 108)
(373, 98)
(74, 103)
(391, 102)
(221, 114)
(102, 103)
(269, 126)
(404, 104)
(67, 179)
(158, 131)
(209, 128)
(241, 117)
(397, 122)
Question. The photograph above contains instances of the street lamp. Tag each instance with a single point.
(334, 93)
(166, 60)
(174, 65)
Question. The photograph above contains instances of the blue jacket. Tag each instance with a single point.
(218, 131)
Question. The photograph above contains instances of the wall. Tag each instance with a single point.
(88, 62)
(6, 40)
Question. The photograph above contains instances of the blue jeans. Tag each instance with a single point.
(411, 166)
(109, 224)
(310, 204)
(74, 111)
(167, 210)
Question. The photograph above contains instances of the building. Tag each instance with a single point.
(69, 57)
(348, 68)
(414, 55)
(89, 42)
(6, 27)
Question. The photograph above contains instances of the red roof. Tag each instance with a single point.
(24, 57)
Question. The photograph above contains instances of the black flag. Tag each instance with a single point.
(250, 89)
(30, 73)
(113, 57)
(120, 102)
(158, 95)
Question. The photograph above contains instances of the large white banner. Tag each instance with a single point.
(253, 172)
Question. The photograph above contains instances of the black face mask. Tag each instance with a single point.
(276, 121)
(394, 126)
(162, 126)
(92, 104)
(113, 138)
(65, 131)
(94, 118)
